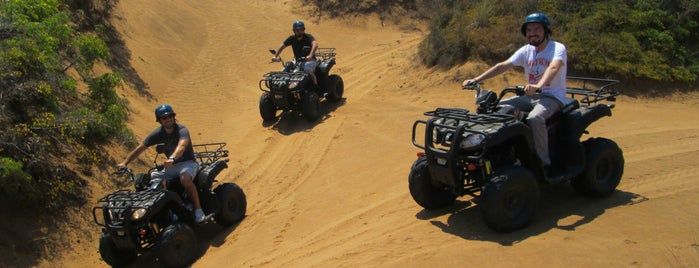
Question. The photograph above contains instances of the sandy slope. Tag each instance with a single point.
(334, 193)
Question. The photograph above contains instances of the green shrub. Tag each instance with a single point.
(15, 183)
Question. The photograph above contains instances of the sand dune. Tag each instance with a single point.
(334, 193)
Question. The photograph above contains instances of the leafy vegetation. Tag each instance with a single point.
(655, 40)
(46, 120)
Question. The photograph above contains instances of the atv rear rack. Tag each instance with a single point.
(208, 153)
(325, 53)
(589, 96)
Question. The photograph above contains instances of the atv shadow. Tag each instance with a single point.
(290, 122)
(560, 208)
(207, 236)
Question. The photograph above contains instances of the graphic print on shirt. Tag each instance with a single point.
(537, 67)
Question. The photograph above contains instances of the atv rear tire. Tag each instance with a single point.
(605, 166)
(509, 199)
(232, 204)
(176, 246)
(114, 256)
(336, 88)
(424, 191)
(267, 109)
(311, 107)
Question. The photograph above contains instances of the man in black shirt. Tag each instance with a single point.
(181, 164)
(304, 46)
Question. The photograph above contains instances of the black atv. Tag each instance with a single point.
(490, 154)
(154, 218)
(292, 89)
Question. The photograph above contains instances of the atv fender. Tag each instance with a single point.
(589, 115)
(207, 175)
(324, 66)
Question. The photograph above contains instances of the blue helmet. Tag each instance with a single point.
(538, 18)
(163, 110)
(299, 24)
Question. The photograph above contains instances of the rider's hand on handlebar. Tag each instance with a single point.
(168, 163)
(121, 169)
(531, 89)
(469, 83)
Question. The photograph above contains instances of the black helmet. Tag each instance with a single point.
(163, 110)
(299, 25)
(538, 18)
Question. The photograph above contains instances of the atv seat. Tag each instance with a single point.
(569, 105)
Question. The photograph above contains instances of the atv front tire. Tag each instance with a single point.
(267, 109)
(509, 199)
(176, 245)
(114, 256)
(311, 107)
(426, 193)
(336, 88)
(605, 166)
(233, 204)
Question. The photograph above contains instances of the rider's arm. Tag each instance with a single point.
(181, 145)
(135, 153)
(279, 51)
(549, 74)
(493, 71)
(314, 47)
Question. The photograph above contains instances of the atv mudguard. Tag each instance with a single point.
(326, 65)
(208, 174)
(587, 116)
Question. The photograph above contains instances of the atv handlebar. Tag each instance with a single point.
(125, 170)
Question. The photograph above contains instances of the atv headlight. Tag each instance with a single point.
(293, 85)
(472, 140)
(138, 214)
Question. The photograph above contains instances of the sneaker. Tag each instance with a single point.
(199, 215)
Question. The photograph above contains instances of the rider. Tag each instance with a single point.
(544, 62)
(181, 162)
(304, 46)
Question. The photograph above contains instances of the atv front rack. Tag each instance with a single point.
(325, 53)
(208, 153)
(275, 77)
(456, 121)
(120, 204)
(589, 96)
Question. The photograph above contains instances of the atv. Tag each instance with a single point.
(161, 219)
(292, 89)
(490, 154)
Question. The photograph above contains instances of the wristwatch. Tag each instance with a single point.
(171, 158)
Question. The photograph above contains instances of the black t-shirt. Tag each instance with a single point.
(159, 135)
(301, 47)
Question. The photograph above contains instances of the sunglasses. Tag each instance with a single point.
(167, 117)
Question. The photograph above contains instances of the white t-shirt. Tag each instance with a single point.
(535, 65)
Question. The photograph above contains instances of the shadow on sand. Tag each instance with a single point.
(290, 122)
(209, 235)
(560, 208)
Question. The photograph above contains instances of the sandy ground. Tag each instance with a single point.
(334, 193)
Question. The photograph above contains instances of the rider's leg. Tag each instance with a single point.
(188, 170)
(543, 109)
(188, 184)
(310, 67)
